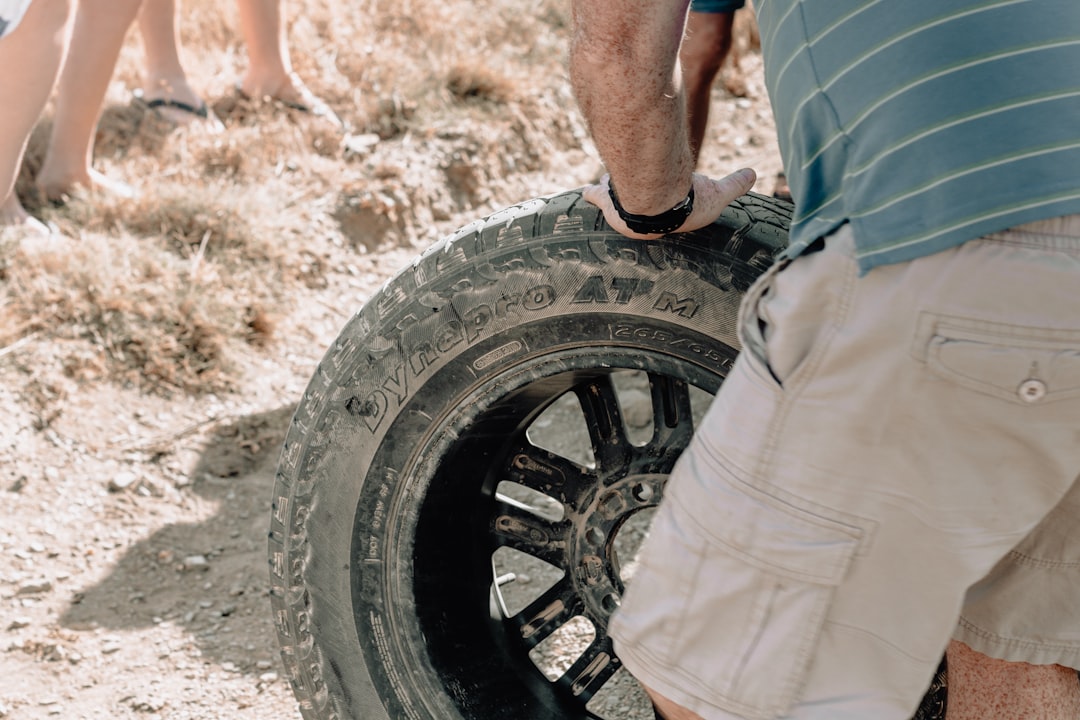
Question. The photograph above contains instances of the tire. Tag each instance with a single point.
(416, 466)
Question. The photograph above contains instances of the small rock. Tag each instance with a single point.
(53, 652)
(268, 677)
(150, 704)
(122, 481)
(153, 487)
(196, 562)
(35, 587)
(264, 665)
(18, 624)
(360, 144)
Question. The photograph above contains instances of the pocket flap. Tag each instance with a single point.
(769, 533)
(1001, 360)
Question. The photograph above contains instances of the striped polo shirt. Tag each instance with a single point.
(924, 123)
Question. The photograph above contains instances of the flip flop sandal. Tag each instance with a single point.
(313, 106)
(200, 111)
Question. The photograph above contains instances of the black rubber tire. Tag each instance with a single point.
(385, 506)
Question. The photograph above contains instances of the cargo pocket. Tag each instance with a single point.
(765, 577)
(1022, 365)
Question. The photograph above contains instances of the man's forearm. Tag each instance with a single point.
(624, 68)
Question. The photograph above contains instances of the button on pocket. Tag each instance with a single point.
(1019, 364)
(1032, 391)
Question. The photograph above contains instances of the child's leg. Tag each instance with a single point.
(37, 48)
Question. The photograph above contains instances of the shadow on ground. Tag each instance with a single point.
(207, 577)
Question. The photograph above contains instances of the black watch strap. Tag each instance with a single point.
(665, 222)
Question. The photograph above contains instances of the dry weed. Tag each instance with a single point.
(163, 291)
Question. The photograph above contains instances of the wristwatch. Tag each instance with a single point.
(665, 222)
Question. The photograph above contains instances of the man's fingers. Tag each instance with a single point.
(727, 189)
(712, 196)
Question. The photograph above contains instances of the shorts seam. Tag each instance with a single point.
(687, 591)
(791, 392)
(1016, 642)
(1041, 562)
(704, 695)
(864, 632)
(1034, 241)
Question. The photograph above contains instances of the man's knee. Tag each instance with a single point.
(984, 687)
(669, 709)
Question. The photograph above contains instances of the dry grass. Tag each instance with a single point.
(461, 106)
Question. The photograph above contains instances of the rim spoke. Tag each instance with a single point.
(547, 613)
(673, 420)
(517, 526)
(551, 474)
(590, 671)
(600, 404)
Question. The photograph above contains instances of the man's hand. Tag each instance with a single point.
(710, 198)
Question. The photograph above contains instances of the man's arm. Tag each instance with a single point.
(625, 71)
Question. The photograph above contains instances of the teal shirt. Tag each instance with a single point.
(924, 123)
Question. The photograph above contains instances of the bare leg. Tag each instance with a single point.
(706, 44)
(270, 74)
(982, 688)
(165, 79)
(100, 26)
(669, 709)
(36, 47)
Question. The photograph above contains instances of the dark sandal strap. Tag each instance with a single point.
(198, 111)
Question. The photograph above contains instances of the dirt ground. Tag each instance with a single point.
(133, 578)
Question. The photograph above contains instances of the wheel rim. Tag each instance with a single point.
(499, 494)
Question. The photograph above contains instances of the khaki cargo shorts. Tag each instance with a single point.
(893, 461)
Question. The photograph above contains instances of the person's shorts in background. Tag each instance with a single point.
(871, 473)
(716, 6)
(11, 12)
